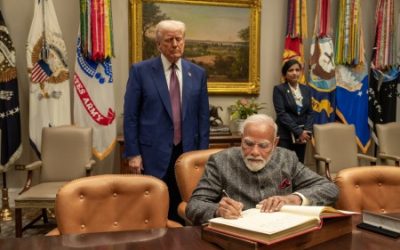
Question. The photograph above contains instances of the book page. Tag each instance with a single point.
(267, 223)
(316, 211)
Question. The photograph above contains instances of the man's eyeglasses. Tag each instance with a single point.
(264, 145)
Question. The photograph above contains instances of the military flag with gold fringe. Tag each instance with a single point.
(384, 73)
(322, 78)
(49, 85)
(94, 104)
(352, 72)
(296, 31)
(10, 123)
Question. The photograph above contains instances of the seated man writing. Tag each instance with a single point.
(258, 172)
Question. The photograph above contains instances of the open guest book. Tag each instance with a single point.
(269, 228)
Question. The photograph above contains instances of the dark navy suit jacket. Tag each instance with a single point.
(288, 118)
(148, 124)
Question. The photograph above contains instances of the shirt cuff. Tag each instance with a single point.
(304, 200)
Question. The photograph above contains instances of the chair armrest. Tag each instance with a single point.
(369, 158)
(33, 165)
(30, 167)
(54, 232)
(89, 166)
(321, 158)
(390, 157)
(173, 224)
(327, 161)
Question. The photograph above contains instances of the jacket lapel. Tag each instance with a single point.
(161, 84)
(305, 97)
(290, 98)
(187, 83)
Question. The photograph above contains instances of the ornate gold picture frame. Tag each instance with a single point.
(222, 36)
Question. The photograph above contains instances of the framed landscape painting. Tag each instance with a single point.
(222, 36)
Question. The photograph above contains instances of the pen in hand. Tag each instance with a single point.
(225, 193)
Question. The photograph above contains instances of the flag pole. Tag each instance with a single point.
(6, 214)
(45, 48)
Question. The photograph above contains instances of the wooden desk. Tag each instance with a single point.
(173, 238)
(359, 239)
(181, 238)
(223, 141)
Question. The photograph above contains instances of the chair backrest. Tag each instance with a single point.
(336, 141)
(65, 152)
(389, 138)
(373, 188)
(189, 168)
(115, 202)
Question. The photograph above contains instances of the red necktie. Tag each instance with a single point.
(175, 96)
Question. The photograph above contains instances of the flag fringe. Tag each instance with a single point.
(8, 75)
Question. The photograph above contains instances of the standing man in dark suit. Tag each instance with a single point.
(293, 107)
(166, 110)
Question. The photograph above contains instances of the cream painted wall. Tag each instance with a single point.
(18, 16)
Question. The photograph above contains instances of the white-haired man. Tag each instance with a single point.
(166, 110)
(258, 172)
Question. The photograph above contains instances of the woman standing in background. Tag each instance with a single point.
(294, 114)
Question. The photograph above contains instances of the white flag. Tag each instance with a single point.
(94, 102)
(49, 96)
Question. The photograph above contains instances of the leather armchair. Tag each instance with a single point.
(336, 148)
(188, 170)
(112, 202)
(66, 155)
(389, 142)
(373, 188)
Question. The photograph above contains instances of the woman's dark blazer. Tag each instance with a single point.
(288, 118)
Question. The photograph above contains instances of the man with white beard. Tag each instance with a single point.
(258, 172)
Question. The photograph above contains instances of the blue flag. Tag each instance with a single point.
(322, 80)
(352, 101)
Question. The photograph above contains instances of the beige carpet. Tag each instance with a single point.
(8, 227)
